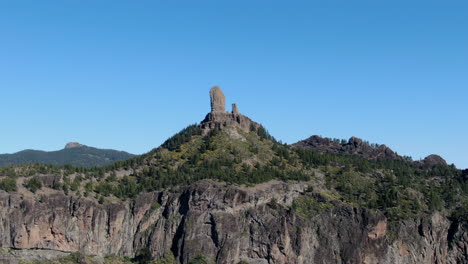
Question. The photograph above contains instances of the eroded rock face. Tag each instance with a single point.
(218, 118)
(218, 101)
(235, 110)
(432, 161)
(70, 145)
(354, 146)
(227, 224)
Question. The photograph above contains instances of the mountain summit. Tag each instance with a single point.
(354, 146)
(225, 191)
(70, 145)
(219, 118)
(74, 153)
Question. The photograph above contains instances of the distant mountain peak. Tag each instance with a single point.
(70, 145)
(74, 153)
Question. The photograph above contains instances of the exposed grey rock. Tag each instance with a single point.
(227, 224)
(70, 145)
(218, 118)
(354, 146)
(19, 256)
(431, 161)
(235, 110)
(218, 101)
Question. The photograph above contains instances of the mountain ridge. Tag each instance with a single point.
(225, 191)
(359, 147)
(74, 154)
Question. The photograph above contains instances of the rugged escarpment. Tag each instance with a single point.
(225, 191)
(354, 146)
(219, 118)
(268, 223)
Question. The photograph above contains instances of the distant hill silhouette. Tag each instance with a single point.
(74, 154)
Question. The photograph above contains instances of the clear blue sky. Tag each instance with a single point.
(129, 74)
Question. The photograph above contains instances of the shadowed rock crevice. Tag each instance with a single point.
(226, 225)
(177, 247)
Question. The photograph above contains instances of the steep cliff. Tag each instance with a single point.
(272, 222)
(225, 191)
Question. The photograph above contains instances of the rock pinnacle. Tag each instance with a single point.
(218, 101)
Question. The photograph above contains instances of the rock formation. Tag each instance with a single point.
(218, 118)
(354, 146)
(70, 145)
(235, 110)
(218, 101)
(432, 161)
(225, 223)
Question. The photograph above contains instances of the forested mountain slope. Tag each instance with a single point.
(73, 154)
(225, 191)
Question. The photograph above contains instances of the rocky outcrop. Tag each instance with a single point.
(432, 161)
(218, 101)
(235, 110)
(70, 145)
(218, 118)
(227, 224)
(354, 146)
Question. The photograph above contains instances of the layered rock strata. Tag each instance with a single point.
(226, 224)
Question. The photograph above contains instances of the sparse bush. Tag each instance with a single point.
(33, 184)
(8, 184)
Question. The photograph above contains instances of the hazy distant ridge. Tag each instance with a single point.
(81, 155)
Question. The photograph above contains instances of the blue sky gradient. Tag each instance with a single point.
(129, 74)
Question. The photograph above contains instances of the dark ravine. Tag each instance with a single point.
(225, 223)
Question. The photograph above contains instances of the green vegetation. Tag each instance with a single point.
(77, 258)
(401, 189)
(82, 156)
(174, 142)
(33, 184)
(8, 184)
(200, 260)
(307, 206)
(188, 157)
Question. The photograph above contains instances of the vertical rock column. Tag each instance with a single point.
(218, 101)
(235, 110)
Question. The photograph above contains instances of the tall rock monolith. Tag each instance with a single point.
(218, 101)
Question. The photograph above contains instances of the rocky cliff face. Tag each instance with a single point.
(218, 118)
(227, 224)
(354, 146)
(431, 161)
